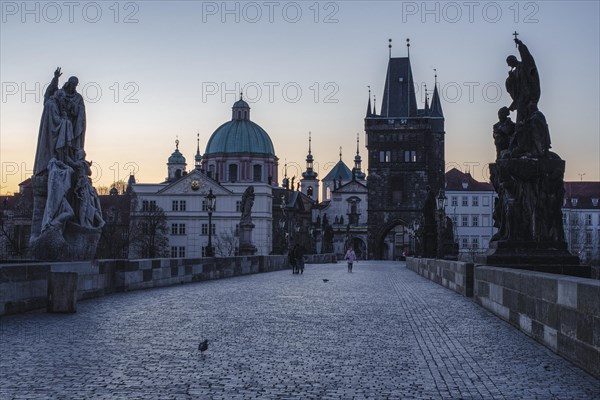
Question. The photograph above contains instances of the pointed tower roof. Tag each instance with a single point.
(436, 105)
(309, 173)
(369, 113)
(426, 101)
(399, 99)
(339, 171)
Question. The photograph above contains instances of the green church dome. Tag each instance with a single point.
(239, 136)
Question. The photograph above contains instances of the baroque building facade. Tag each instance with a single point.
(238, 154)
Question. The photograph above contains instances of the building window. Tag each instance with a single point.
(588, 237)
(454, 220)
(388, 156)
(205, 229)
(413, 156)
(148, 205)
(588, 219)
(475, 220)
(574, 220)
(465, 243)
(238, 206)
(486, 201)
(173, 251)
(465, 220)
(382, 156)
(257, 173)
(465, 201)
(177, 229)
(237, 230)
(595, 202)
(181, 251)
(233, 172)
(454, 201)
(475, 201)
(475, 243)
(574, 202)
(485, 220)
(178, 205)
(564, 217)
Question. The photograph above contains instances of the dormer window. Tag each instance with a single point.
(595, 202)
(465, 184)
(574, 201)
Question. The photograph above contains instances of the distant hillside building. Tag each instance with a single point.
(405, 154)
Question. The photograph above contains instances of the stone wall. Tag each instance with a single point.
(562, 312)
(454, 275)
(24, 287)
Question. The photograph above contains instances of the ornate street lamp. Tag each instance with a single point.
(441, 204)
(211, 201)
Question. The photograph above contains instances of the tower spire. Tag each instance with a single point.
(408, 47)
(388, 82)
(357, 170)
(436, 104)
(390, 47)
(374, 105)
(198, 157)
(340, 153)
(369, 113)
(426, 99)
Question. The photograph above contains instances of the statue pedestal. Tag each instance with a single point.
(246, 246)
(529, 217)
(552, 255)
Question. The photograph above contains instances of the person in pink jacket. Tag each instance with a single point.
(350, 257)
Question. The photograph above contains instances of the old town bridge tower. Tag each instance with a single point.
(405, 155)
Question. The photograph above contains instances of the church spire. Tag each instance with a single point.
(436, 105)
(369, 113)
(198, 157)
(426, 100)
(309, 173)
(357, 170)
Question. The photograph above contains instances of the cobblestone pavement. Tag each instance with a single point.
(379, 332)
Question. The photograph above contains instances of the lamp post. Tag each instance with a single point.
(282, 224)
(210, 207)
(441, 204)
(416, 225)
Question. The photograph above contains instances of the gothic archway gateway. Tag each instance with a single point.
(359, 246)
(391, 241)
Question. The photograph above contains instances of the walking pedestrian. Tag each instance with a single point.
(350, 258)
